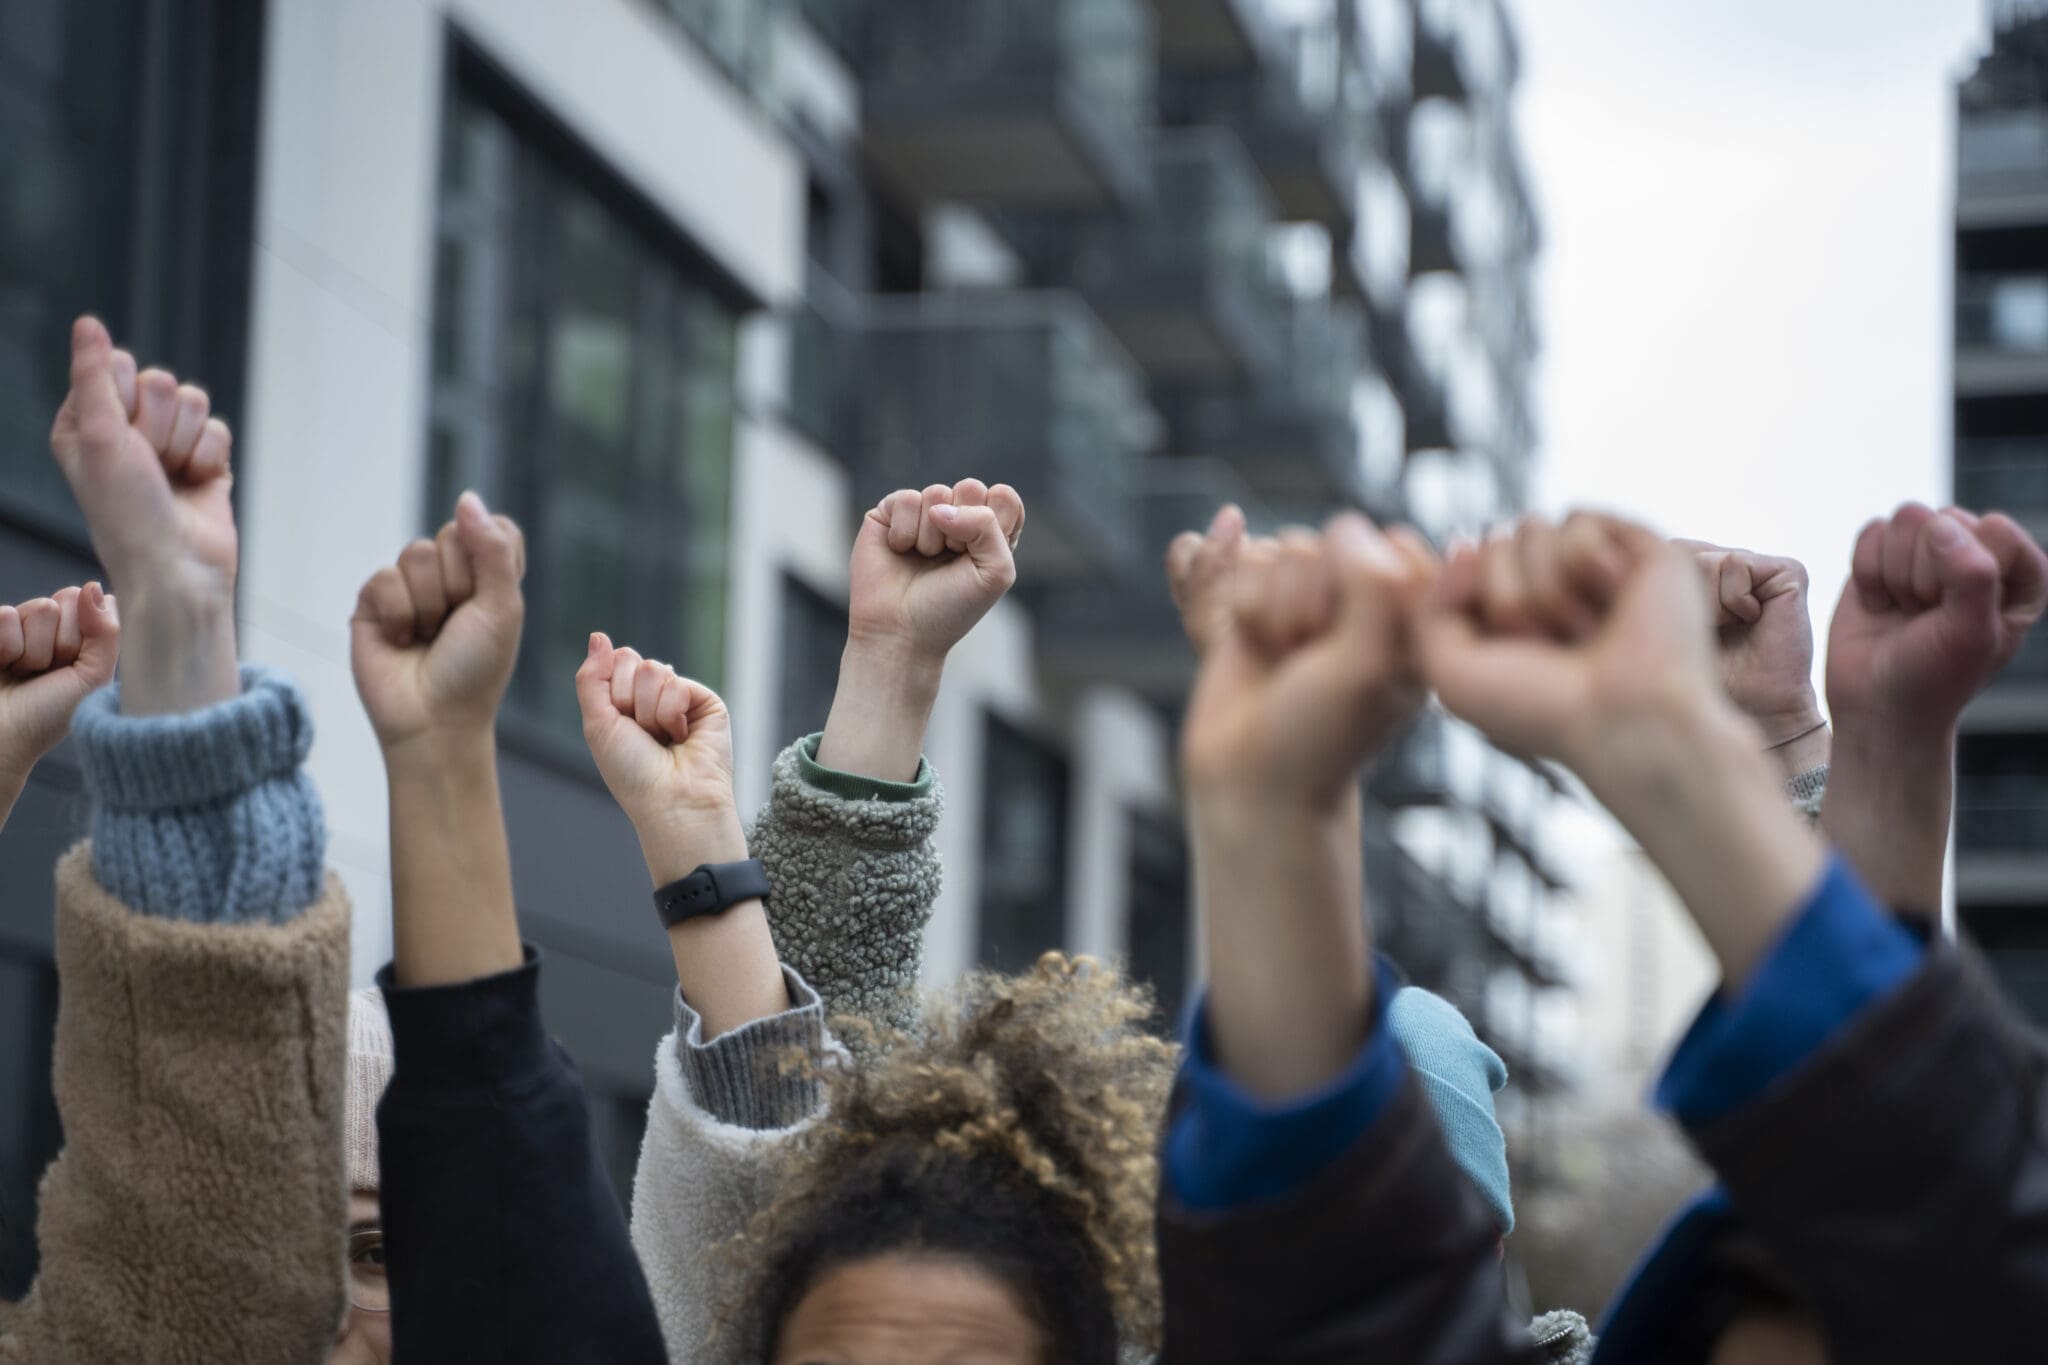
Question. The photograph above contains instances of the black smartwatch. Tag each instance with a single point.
(712, 888)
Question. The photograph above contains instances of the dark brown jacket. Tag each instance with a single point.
(1899, 1179)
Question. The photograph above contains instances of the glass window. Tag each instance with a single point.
(813, 638)
(583, 382)
(69, 79)
(1160, 913)
(1023, 848)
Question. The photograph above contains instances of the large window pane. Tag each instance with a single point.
(813, 637)
(1023, 849)
(1157, 932)
(583, 382)
(68, 82)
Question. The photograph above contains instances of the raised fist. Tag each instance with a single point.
(927, 566)
(149, 467)
(435, 636)
(54, 652)
(1310, 669)
(662, 742)
(1766, 636)
(1557, 641)
(1937, 603)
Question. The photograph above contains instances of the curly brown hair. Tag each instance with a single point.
(1018, 1124)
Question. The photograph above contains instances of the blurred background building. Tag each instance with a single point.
(2001, 460)
(685, 285)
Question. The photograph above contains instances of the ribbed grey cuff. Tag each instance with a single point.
(1807, 791)
(764, 1074)
(206, 816)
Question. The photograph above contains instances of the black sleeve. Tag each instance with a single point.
(1907, 1164)
(1389, 1255)
(503, 1239)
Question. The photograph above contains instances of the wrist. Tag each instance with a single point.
(441, 748)
(178, 648)
(903, 667)
(880, 709)
(677, 841)
(1632, 752)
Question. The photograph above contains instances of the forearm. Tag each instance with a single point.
(1707, 806)
(880, 710)
(1290, 971)
(725, 963)
(1889, 800)
(453, 916)
(178, 650)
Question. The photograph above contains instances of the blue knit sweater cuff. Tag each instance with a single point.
(206, 816)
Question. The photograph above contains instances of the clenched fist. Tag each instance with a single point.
(1310, 670)
(1765, 632)
(1937, 603)
(54, 652)
(1561, 640)
(663, 744)
(927, 566)
(435, 636)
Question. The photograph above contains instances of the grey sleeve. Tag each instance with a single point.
(207, 816)
(763, 1075)
(1807, 791)
(853, 877)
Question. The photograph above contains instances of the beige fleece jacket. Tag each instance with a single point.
(194, 1213)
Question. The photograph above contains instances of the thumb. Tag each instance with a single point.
(99, 625)
(94, 402)
(988, 549)
(594, 681)
(493, 544)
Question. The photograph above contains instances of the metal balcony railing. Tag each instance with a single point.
(2002, 474)
(999, 102)
(2002, 815)
(1184, 280)
(1023, 388)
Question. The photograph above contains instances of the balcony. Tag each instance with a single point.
(1291, 434)
(2005, 474)
(1022, 388)
(737, 34)
(998, 103)
(2001, 168)
(1133, 634)
(1292, 114)
(1184, 280)
(2001, 334)
(1209, 32)
(1442, 69)
(1433, 243)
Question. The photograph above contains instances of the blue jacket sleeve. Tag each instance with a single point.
(1840, 955)
(1226, 1149)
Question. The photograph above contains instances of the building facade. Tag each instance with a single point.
(2001, 461)
(686, 284)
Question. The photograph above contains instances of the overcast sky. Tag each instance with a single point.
(1743, 279)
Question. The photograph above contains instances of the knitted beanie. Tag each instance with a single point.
(369, 1071)
(1459, 1074)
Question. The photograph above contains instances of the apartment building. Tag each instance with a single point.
(686, 284)
(2001, 460)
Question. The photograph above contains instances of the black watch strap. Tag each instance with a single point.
(712, 888)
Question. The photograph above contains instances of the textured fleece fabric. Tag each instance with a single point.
(852, 878)
(207, 816)
(194, 1214)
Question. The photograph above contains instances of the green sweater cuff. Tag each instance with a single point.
(852, 786)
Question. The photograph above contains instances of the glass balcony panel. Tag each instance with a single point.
(992, 101)
(2002, 312)
(2002, 151)
(1022, 388)
(2002, 473)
